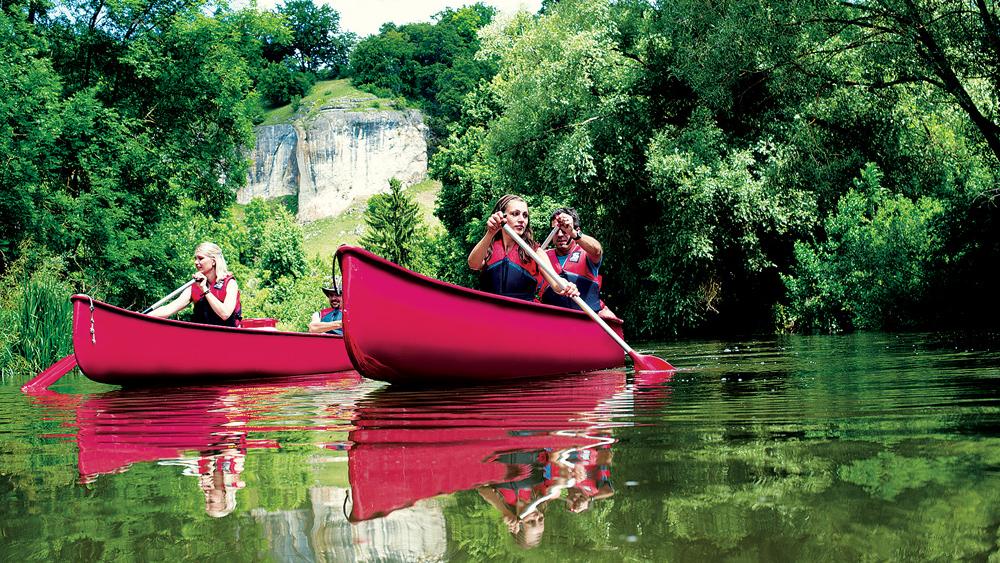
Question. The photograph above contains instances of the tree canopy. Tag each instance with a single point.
(716, 151)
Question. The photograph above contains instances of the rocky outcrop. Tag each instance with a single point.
(416, 533)
(336, 157)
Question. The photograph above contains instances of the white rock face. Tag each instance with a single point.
(338, 157)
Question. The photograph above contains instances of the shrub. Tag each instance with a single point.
(874, 269)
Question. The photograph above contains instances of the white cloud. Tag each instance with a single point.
(365, 17)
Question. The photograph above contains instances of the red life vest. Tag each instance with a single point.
(203, 312)
(506, 274)
(578, 269)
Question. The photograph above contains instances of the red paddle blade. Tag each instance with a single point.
(649, 363)
(49, 376)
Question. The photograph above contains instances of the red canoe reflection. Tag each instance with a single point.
(411, 445)
(120, 428)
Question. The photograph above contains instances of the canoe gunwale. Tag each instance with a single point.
(187, 325)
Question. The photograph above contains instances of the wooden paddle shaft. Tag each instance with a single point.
(173, 294)
(580, 302)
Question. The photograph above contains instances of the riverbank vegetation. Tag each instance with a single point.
(790, 166)
(749, 166)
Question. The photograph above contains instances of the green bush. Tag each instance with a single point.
(280, 83)
(274, 241)
(874, 269)
(291, 300)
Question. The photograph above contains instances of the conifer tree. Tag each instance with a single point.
(394, 225)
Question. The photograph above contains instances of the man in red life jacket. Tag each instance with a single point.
(577, 258)
(329, 320)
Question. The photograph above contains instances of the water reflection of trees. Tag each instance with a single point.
(789, 466)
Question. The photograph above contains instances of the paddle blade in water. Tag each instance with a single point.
(49, 376)
(649, 363)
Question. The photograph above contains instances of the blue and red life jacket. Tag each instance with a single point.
(575, 266)
(506, 274)
(203, 312)
(329, 315)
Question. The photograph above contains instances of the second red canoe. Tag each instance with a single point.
(403, 327)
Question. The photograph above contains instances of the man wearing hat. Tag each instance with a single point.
(329, 320)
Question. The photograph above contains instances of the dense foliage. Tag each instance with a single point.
(820, 159)
(124, 130)
(313, 48)
(434, 64)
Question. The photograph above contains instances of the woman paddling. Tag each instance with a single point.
(505, 268)
(215, 293)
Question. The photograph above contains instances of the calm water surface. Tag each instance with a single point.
(862, 447)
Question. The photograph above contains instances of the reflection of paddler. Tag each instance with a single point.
(522, 502)
(442, 447)
(219, 478)
(592, 472)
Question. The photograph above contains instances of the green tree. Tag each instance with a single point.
(274, 245)
(317, 42)
(394, 228)
(123, 117)
(873, 269)
(434, 64)
(701, 142)
(280, 82)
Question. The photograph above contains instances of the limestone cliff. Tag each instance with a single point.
(336, 157)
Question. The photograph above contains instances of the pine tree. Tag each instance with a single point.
(394, 226)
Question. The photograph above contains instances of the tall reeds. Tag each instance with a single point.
(44, 319)
(36, 315)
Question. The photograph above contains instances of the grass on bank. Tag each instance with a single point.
(324, 236)
(327, 92)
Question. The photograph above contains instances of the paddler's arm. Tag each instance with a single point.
(592, 247)
(589, 244)
(478, 255)
(318, 327)
(493, 497)
(173, 307)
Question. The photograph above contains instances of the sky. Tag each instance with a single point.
(364, 17)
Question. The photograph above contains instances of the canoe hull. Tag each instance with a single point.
(403, 327)
(130, 348)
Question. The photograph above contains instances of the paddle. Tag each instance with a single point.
(168, 297)
(51, 374)
(549, 238)
(641, 362)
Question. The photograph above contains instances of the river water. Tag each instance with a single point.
(868, 447)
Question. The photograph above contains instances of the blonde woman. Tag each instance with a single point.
(215, 293)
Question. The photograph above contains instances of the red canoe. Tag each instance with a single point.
(403, 327)
(121, 347)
